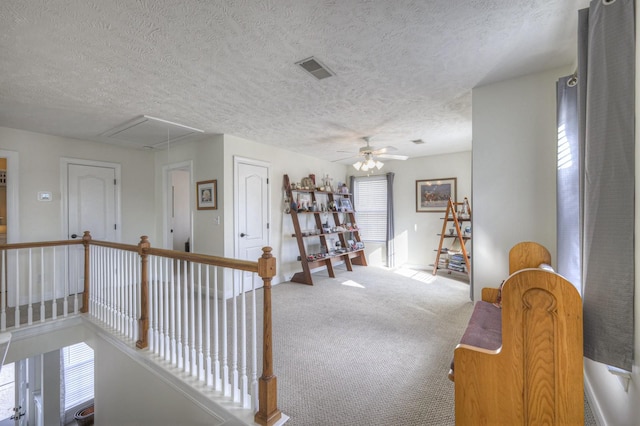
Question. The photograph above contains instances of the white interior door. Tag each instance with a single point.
(91, 201)
(91, 198)
(251, 211)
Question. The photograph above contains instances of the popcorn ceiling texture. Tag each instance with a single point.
(404, 69)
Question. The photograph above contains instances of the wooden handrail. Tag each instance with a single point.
(17, 246)
(223, 262)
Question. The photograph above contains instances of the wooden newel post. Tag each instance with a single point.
(143, 321)
(268, 412)
(86, 239)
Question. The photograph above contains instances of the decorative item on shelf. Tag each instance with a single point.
(326, 182)
(344, 189)
(307, 183)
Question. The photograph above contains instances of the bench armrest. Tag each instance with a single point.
(490, 294)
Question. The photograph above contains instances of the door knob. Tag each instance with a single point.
(242, 234)
(74, 235)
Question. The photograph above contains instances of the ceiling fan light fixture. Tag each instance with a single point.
(379, 164)
(357, 165)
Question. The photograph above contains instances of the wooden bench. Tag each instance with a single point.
(533, 373)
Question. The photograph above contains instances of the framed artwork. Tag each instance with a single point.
(432, 195)
(345, 205)
(207, 194)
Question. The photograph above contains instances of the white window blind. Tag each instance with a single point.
(78, 374)
(370, 198)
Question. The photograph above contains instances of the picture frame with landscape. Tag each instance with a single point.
(432, 195)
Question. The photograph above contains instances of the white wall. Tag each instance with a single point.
(39, 165)
(416, 233)
(206, 157)
(128, 392)
(282, 162)
(514, 172)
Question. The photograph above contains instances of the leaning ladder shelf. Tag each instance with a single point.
(311, 261)
(452, 216)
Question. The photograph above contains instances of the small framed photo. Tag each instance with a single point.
(207, 194)
(345, 205)
(432, 195)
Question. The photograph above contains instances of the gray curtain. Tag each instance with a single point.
(391, 251)
(607, 76)
(569, 210)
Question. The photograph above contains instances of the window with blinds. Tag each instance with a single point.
(78, 374)
(370, 199)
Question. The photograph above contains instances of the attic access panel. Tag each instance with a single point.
(149, 132)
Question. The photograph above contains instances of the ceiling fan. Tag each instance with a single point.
(371, 156)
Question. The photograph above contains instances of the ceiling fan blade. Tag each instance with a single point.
(393, 157)
(345, 158)
(377, 151)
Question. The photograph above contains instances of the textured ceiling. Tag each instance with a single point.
(404, 69)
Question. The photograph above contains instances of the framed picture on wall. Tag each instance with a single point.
(432, 195)
(207, 194)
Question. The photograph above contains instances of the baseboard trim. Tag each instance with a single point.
(593, 402)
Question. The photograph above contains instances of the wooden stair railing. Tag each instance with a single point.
(267, 413)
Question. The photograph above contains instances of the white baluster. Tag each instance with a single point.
(117, 276)
(207, 331)
(54, 307)
(16, 317)
(180, 348)
(125, 275)
(172, 289)
(194, 360)
(226, 383)
(136, 270)
(152, 305)
(216, 334)
(244, 384)
(187, 365)
(167, 313)
(254, 345)
(41, 279)
(160, 308)
(234, 348)
(30, 301)
(112, 290)
(199, 330)
(3, 291)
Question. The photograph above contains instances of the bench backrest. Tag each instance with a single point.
(527, 254)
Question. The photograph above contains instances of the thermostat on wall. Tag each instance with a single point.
(45, 196)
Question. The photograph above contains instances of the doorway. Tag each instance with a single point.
(177, 200)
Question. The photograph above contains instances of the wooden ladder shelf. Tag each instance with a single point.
(451, 216)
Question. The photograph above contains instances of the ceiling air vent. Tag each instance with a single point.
(315, 68)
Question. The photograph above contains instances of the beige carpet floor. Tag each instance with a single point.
(370, 347)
